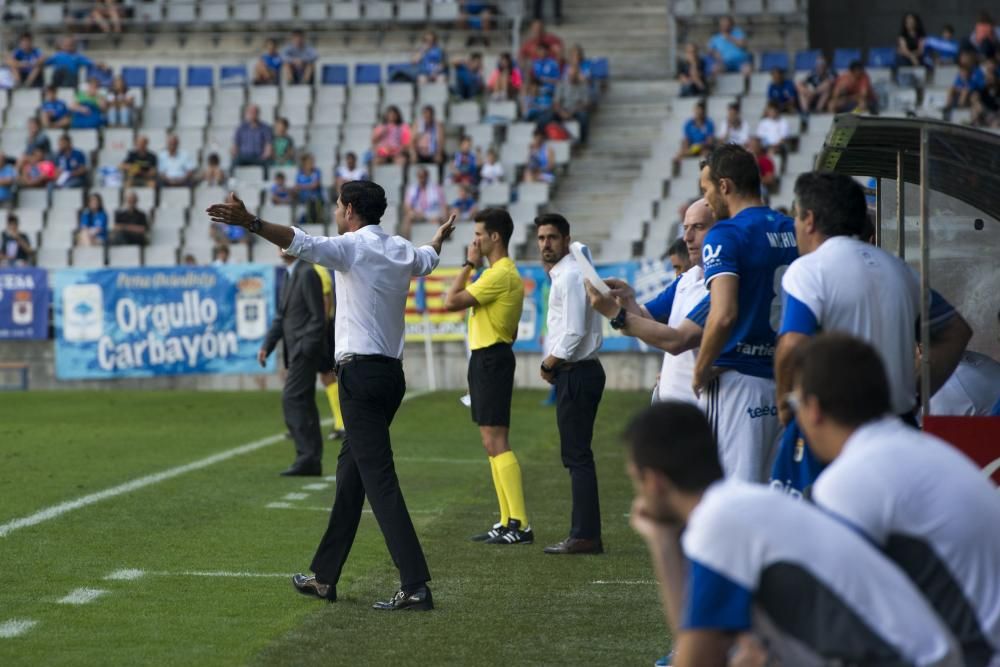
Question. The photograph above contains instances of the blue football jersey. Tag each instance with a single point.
(795, 467)
(756, 245)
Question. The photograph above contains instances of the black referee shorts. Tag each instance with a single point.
(491, 384)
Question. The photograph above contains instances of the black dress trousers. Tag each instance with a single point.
(578, 395)
(371, 391)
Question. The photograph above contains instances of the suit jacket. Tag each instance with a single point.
(300, 322)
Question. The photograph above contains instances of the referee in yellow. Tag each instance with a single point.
(496, 299)
(327, 375)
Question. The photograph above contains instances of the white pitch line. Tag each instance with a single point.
(57, 511)
(295, 496)
(125, 575)
(331, 478)
(16, 627)
(82, 596)
(315, 487)
(624, 582)
(226, 574)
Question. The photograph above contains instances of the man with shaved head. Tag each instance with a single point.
(663, 322)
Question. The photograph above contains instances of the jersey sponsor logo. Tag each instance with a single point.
(786, 488)
(762, 411)
(710, 255)
(781, 239)
(758, 350)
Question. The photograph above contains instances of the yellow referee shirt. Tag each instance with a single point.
(327, 282)
(500, 294)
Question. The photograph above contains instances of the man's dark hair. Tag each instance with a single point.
(496, 220)
(554, 219)
(737, 164)
(367, 198)
(837, 202)
(678, 249)
(12, 219)
(675, 438)
(845, 375)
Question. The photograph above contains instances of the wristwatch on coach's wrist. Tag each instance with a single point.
(546, 369)
(618, 321)
(467, 263)
(254, 225)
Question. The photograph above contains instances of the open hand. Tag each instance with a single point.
(445, 231)
(262, 357)
(232, 212)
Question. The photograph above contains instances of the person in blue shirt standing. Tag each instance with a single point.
(783, 92)
(66, 64)
(71, 165)
(699, 133)
(745, 256)
(54, 112)
(25, 62)
(267, 69)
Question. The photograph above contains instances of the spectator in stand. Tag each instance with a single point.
(577, 58)
(37, 171)
(213, 174)
(299, 59)
(106, 16)
(390, 138)
(768, 173)
(120, 103)
(36, 139)
(983, 39)
(910, 45)
(699, 134)
(131, 224)
(968, 82)
(469, 82)
(477, 14)
(189, 260)
(25, 62)
(729, 48)
(491, 171)
(816, 88)
(54, 112)
(538, 44)
(773, 129)
(505, 81)
(66, 64)
(986, 102)
(464, 207)
(425, 202)
(536, 103)
(573, 101)
(8, 179)
(349, 171)
(853, 91)
(267, 69)
(783, 92)
(283, 145)
(87, 111)
(280, 194)
(546, 70)
(734, 130)
(220, 255)
(693, 73)
(464, 167)
(71, 165)
(430, 59)
(541, 160)
(252, 144)
(16, 246)
(176, 168)
(140, 165)
(943, 49)
(93, 229)
(309, 190)
(427, 138)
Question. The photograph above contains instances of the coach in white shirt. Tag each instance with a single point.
(920, 500)
(373, 273)
(571, 364)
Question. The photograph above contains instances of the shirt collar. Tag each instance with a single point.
(562, 265)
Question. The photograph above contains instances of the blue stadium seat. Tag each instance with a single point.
(200, 76)
(882, 56)
(167, 77)
(233, 75)
(805, 61)
(135, 77)
(409, 70)
(367, 73)
(600, 69)
(772, 59)
(842, 58)
(334, 75)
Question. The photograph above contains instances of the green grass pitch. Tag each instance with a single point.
(495, 605)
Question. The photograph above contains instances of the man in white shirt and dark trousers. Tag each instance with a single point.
(373, 273)
(571, 364)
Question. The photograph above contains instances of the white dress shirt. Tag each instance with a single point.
(373, 272)
(677, 370)
(574, 328)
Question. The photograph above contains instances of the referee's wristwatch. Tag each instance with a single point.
(618, 321)
(469, 264)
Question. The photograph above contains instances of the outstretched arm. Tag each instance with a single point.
(234, 212)
(722, 314)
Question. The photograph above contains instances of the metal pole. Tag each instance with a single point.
(878, 212)
(900, 207)
(925, 274)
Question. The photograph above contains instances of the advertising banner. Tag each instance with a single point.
(163, 321)
(24, 304)
(425, 308)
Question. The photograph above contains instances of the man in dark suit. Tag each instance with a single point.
(300, 325)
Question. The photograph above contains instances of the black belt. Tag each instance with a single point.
(376, 358)
(570, 365)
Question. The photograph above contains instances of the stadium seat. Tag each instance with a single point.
(125, 256)
(561, 151)
(464, 113)
(882, 56)
(805, 61)
(600, 69)
(118, 138)
(26, 98)
(773, 59)
(36, 198)
(175, 197)
(410, 11)
(279, 214)
(364, 114)
(239, 253)
(88, 257)
(162, 97)
(401, 72)
(537, 193)
(180, 12)
(334, 75)
(135, 77)
(279, 10)
(482, 135)
(49, 257)
(201, 253)
(49, 14)
(494, 194)
(378, 10)
(730, 83)
(157, 255)
(444, 11)
(233, 75)
(782, 6)
(367, 73)
(31, 219)
(248, 11)
(748, 7)
(191, 117)
(166, 77)
(523, 213)
(314, 10)
(265, 96)
(346, 11)
(502, 111)
(200, 76)
(157, 117)
(842, 58)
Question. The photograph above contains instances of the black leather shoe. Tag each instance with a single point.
(576, 545)
(296, 470)
(418, 600)
(309, 585)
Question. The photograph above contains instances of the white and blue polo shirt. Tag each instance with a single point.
(670, 307)
(931, 510)
(811, 587)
